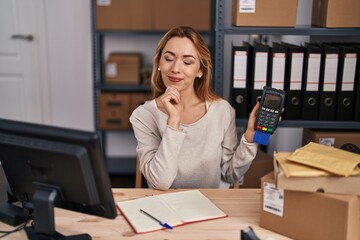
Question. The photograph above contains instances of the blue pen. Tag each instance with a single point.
(160, 222)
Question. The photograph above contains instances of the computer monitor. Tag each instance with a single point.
(49, 167)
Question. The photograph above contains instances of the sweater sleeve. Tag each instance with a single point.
(237, 156)
(158, 154)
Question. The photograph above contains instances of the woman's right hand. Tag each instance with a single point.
(173, 107)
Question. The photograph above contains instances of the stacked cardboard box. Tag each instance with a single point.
(336, 13)
(264, 13)
(309, 215)
(150, 15)
(116, 108)
(344, 139)
(123, 68)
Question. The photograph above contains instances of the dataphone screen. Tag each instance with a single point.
(272, 101)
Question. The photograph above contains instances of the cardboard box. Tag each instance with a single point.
(310, 216)
(337, 185)
(116, 108)
(151, 15)
(264, 13)
(173, 13)
(343, 139)
(123, 68)
(114, 111)
(262, 164)
(124, 15)
(336, 13)
(137, 99)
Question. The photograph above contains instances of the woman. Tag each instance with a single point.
(187, 134)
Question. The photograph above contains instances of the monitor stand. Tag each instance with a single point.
(44, 220)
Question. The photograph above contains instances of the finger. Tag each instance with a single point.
(174, 94)
(170, 98)
(257, 105)
(174, 91)
(255, 109)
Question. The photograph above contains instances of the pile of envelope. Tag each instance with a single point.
(317, 167)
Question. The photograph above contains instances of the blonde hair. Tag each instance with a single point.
(202, 86)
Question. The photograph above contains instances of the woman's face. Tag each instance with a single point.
(180, 64)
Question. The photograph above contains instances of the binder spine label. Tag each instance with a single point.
(240, 69)
(261, 63)
(278, 71)
(348, 77)
(331, 64)
(313, 73)
(296, 71)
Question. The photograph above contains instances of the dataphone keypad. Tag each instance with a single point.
(266, 119)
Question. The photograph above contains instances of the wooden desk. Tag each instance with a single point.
(241, 205)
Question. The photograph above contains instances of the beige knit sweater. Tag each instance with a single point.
(199, 155)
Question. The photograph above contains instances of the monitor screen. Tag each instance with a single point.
(48, 167)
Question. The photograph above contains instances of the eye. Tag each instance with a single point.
(188, 62)
(169, 59)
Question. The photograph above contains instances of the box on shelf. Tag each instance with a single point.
(124, 15)
(310, 216)
(262, 164)
(116, 108)
(344, 139)
(328, 184)
(336, 13)
(123, 68)
(264, 13)
(169, 14)
(137, 99)
(149, 15)
(114, 111)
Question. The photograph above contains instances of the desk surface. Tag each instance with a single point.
(241, 205)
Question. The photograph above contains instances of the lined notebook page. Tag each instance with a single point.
(193, 206)
(153, 205)
(172, 208)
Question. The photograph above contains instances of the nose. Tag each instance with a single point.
(176, 67)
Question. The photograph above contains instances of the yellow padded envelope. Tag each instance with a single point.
(333, 160)
(293, 169)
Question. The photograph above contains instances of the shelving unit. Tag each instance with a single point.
(116, 164)
(222, 28)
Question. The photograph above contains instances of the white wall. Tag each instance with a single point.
(69, 55)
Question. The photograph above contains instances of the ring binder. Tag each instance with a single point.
(311, 78)
(328, 79)
(240, 81)
(294, 78)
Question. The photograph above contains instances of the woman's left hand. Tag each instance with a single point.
(250, 131)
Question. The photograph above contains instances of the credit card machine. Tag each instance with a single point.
(271, 105)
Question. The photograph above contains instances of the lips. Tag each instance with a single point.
(174, 79)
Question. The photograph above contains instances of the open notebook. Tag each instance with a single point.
(175, 209)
